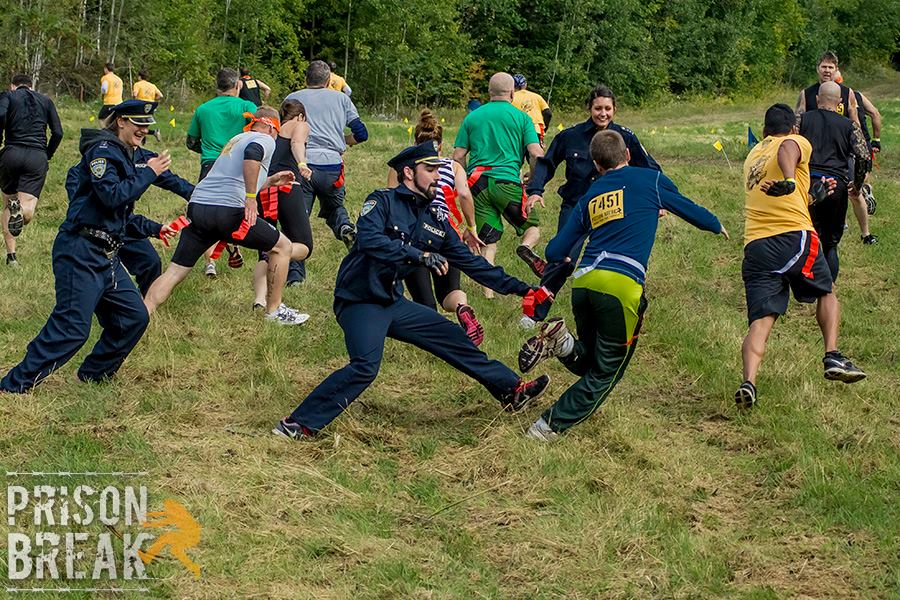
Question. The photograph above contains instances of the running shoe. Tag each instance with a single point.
(469, 322)
(11, 260)
(295, 431)
(540, 430)
(869, 197)
(16, 218)
(348, 235)
(839, 368)
(548, 343)
(534, 261)
(523, 393)
(868, 240)
(235, 260)
(287, 316)
(295, 283)
(211, 270)
(745, 396)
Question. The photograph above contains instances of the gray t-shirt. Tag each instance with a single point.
(328, 113)
(224, 186)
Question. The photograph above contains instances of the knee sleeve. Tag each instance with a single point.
(489, 235)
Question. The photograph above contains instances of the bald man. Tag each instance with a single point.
(835, 141)
(493, 141)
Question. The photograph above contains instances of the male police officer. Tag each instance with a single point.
(90, 279)
(398, 230)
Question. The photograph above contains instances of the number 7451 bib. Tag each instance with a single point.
(605, 208)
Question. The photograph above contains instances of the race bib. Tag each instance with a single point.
(605, 208)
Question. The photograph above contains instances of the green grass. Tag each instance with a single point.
(425, 490)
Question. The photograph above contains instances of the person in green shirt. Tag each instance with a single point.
(493, 141)
(215, 122)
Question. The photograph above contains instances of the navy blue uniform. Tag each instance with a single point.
(395, 228)
(90, 278)
(573, 146)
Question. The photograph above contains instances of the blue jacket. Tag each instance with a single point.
(395, 227)
(106, 183)
(619, 215)
(573, 146)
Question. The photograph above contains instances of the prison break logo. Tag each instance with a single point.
(72, 533)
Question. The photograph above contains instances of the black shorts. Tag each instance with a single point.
(776, 265)
(23, 170)
(211, 224)
(205, 168)
(829, 215)
(287, 209)
(419, 285)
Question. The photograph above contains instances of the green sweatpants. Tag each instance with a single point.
(608, 309)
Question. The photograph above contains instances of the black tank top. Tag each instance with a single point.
(250, 91)
(861, 113)
(831, 138)
(283, 158)
(842, 109)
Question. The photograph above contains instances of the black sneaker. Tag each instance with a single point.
(524, 392)
(11, 260)
(868, 240)
(745, 396)
(348, 235)
(869, 198)
(839, 368)
(16, 219)
(292, 430)
(534, 261)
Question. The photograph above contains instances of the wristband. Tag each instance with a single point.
(791, 179)
(470, 228)
(876, 139)
(250, 195)
(303, 164)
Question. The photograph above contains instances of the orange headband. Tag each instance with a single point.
(264, 120)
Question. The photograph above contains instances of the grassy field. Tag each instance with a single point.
(424, 489)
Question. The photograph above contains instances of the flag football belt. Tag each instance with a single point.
(176, 226)
(476, 175)
(450, 200)
(534, 298)
(268, 197)
(611, 256)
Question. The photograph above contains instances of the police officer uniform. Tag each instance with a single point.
(573, 146)
(90, 278)
(399, 230)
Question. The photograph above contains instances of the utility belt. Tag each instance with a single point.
(109, 243)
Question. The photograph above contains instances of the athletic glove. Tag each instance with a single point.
(818, 191)
(876, 145)
(782, 188)
(433, 261)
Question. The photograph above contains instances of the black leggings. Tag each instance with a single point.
(419, 285)
(291, 214)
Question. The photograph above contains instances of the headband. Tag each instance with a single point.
(264, 120)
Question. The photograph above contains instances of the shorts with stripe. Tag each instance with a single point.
(211, 224)
(775, 266)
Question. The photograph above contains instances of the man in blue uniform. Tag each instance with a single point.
(618, 215)
(572, 146)
(398, 230)
(90, 278)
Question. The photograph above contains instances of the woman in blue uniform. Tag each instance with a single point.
(90, 279)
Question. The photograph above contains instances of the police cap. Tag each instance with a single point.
(138, 112)
(425, 153)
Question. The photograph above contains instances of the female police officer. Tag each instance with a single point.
(397, 231)
(102, 190)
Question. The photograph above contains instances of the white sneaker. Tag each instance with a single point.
(527, 323)
(211, 271)
(287, 316)
(553, 340)
(540, 430)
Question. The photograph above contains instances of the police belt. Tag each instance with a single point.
(107, 241)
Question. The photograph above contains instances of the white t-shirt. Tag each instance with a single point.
(224, 186)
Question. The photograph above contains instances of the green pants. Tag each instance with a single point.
(496, 200)
(608, 309)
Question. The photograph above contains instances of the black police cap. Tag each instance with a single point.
(139, 112)
(425, 153)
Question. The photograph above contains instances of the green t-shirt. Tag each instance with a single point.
(217, 121)
(496, 135)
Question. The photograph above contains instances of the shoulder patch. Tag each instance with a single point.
(98, 167)
(367, 206)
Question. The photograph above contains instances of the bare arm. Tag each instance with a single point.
(299, 136)
(534, 152)
(788, 158)
(874, 114)
(801, 104)
(251, 180)
(854, 109)
(266, 90)
(459, 155)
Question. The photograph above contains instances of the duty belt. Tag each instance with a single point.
(110, 244)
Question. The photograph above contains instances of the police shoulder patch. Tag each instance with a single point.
(98, 167)
(367, 206)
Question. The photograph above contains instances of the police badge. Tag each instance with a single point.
(98, 167)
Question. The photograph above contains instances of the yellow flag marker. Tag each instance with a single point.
(560, 127)
(712, 130)
(409, 130)
(172, 122)
(652, 132)
(91, 119)
(718, 145)
(443, 120)
(171, 108)
(405, 120)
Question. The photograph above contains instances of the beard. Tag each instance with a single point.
(429, 192)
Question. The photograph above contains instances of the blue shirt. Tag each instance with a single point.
(619, 215)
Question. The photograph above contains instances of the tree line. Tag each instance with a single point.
(409, 52)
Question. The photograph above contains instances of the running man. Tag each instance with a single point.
(148, 92)
(827, 70)
(572, 146)
(328, 113)
(25, 116)
(110, 90)
(253, 89)
(224, 207)
(782, 251)
(495, 138)
(398, 231)
(618, 215)
(336, 82)
(215, 122)
(533, 105)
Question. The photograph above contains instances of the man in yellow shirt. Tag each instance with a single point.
(146, 91)
(782, 252)
(336, 82)
(533, 105)
(110, 90)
